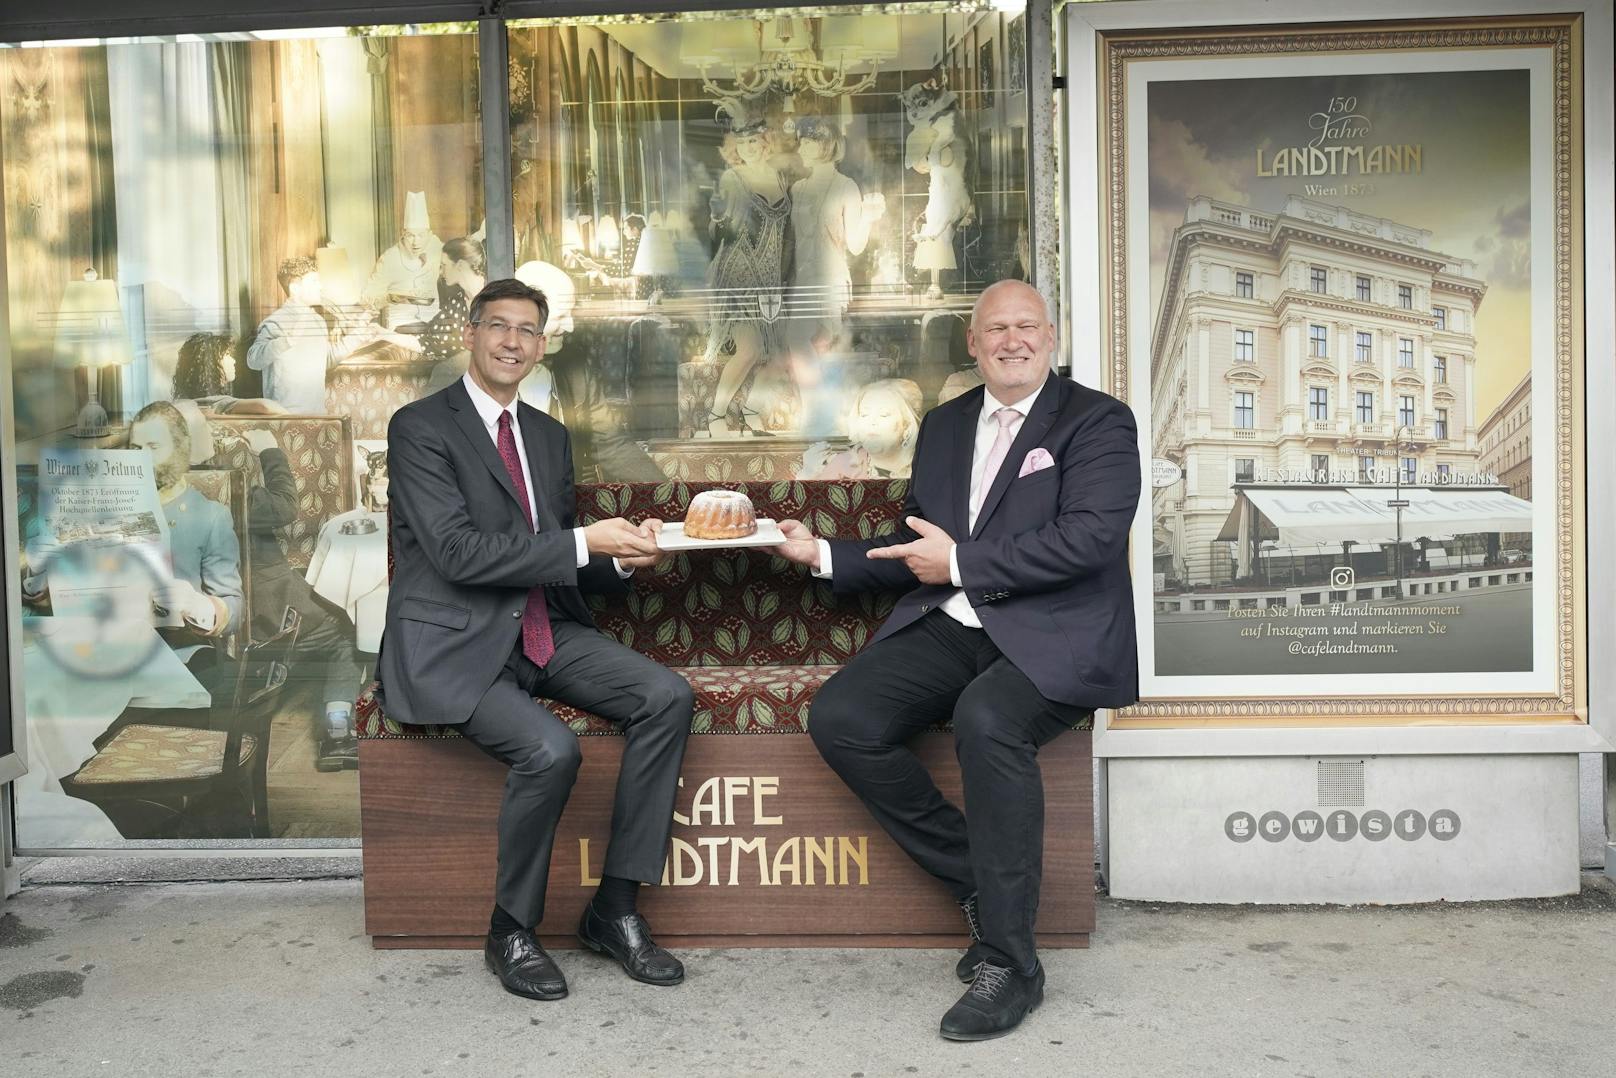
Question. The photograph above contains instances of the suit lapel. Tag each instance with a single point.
(532, 444)
(964, 447)
(1032, 431)
(471, 425)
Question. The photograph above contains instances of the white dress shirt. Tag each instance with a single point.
(957, 606)
(488, 410)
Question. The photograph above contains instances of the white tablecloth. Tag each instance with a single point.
(351, 571)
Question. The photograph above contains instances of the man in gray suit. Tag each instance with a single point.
(486, 612)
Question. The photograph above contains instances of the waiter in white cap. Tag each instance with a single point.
(404, 284)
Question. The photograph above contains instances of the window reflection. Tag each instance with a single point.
(762, 217)
(229, 262)
(761, 237)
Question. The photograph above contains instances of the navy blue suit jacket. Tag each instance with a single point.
(1046, 567)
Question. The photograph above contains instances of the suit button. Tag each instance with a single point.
(924, 607)
(516, 613)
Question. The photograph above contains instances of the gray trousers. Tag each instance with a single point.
(647, 701)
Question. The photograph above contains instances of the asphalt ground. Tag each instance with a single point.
(274, 976)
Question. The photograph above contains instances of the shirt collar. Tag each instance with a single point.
(991, 404)
(488, 408)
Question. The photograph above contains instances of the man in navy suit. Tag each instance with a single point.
(1016, 624)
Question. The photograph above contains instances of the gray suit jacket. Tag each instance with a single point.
(463, 557)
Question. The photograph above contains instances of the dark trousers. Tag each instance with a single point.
(325, 640)
(932, 671)
(647, 701)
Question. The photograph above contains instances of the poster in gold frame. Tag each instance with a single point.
(1294, 217)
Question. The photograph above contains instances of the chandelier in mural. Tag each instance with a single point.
(790, 60)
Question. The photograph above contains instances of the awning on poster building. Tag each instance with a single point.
(1307, 516)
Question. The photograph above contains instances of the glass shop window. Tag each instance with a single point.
(764, 231)
(230, 259)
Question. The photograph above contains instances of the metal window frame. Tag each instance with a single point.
(13, 763)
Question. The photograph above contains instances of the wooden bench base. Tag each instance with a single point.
(777, 852)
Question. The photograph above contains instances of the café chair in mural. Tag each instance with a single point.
(165, 782)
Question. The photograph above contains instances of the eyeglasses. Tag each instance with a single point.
(499, 329)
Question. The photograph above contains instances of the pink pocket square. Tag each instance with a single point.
(1037, 460)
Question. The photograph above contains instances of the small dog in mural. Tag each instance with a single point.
(373, 488)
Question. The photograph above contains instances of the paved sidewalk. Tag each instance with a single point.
(276, 978)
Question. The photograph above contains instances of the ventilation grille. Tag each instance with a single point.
(1341, 783)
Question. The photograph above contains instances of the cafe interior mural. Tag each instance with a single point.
(232, 257)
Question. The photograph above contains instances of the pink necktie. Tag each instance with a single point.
(537, 642)
(1007, 418)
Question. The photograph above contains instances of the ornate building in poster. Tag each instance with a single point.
(1313, 346)
(1505, 439)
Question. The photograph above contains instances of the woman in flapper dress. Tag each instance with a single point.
(751, 221)
(830, 224)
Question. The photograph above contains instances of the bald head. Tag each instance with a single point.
(1012, 339)
(998, 287)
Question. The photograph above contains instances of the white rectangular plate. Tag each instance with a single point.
(673, 537)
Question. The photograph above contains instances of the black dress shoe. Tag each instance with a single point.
(965, 968)
(522, 966)
(628, 939)
(995, 1004)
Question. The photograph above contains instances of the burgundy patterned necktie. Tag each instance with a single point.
(537, 642)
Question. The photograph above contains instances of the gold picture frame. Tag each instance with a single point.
(1241, 64)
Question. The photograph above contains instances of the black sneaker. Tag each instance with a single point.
(995, 1004)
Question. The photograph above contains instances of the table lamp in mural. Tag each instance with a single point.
(91, 335)
(608, 239)
(934, 255)
(655, 258)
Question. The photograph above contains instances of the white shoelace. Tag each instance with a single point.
(990, 981)
(971, 919)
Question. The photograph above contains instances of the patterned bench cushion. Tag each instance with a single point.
(745, 607)
(729, 700)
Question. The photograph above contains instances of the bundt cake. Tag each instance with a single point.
(720, 514)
